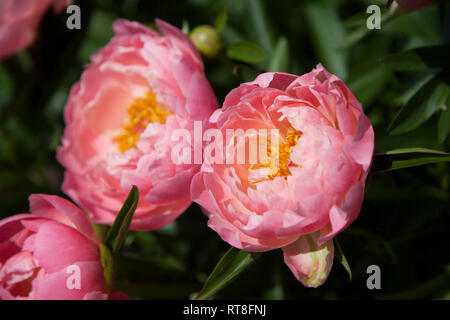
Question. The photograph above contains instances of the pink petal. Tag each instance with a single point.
(181, 41)
(12, 225)
(277, 80)
(362, 145)
(125, 27)
(7, 250)
(342, 217)
(63, 211)
(169, 189)
(18, 268)
(57, 246)
(5, 295)
(55, 287)
(201, 101)
(95, 295)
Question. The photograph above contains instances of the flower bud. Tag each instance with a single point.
(207, 40)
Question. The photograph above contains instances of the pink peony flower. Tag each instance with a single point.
(39, 252)
(310, 185)
(19, 20)
(137, 90)
(415, 4)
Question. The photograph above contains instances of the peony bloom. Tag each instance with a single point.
(308, 187)
(415, 4)
(19, 20)
(119, 118)
(41, 251)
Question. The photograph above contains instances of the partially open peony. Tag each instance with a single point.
(42, 252)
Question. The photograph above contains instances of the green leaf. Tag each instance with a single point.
(428, 100)
(361, 31)
(246, 51)
(221, 20)
(328, 34)
(185, 27)
(444, 122)
(417, 84)
(409, 157)
(369, 84)
(101, 231)
(276, 292)
(356, 20)
(118, 232)
(339, 255)
(280, 57)
(107, 261)
(230, 265)
(260, 24)
(419, 59)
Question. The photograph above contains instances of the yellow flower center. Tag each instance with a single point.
(140, 113)
(278, 159)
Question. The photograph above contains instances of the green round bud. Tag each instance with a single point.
(207, 40)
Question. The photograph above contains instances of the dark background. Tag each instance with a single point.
(403, 226)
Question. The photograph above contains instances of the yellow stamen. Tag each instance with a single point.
(140, 113)
(279, 161)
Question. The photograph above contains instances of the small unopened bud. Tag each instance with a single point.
(207, 40)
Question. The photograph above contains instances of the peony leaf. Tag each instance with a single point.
(185, 27)
(427, 101)
(341, 258)
(246, 51)
(279, 61)
(230, 265)
(107, 261)
(118, 232)
(258, 18)
(444, 122)
(360, 30)
(420, 58)
(409, 157)
(418, 83)
(328, 34)
(221, 20)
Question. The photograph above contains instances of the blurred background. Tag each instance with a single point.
(404, 224)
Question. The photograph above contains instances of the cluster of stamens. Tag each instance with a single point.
(140, 113)
(278, 162)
